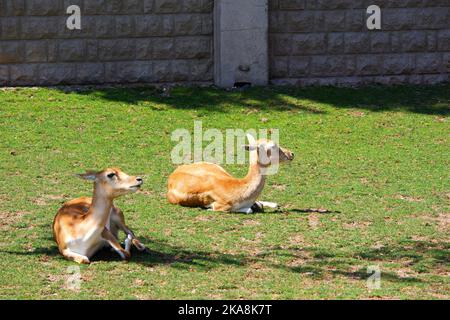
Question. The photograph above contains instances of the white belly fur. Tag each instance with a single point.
(88, 245)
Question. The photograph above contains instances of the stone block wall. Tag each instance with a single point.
(323, 42)
(120, 41)
(327, 42)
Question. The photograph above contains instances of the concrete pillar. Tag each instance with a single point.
(241, 51)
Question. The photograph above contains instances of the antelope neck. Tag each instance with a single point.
(254, 180)
(101, 206)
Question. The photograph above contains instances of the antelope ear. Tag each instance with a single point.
(251, 139)
(90, 175)
(248, 147)
(251, 143)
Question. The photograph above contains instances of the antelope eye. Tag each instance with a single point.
(111, 175)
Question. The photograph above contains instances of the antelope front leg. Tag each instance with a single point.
(133, 240)
(221, 207)
(109, 237)
(78, 258)
(119, 220)
(215, 206)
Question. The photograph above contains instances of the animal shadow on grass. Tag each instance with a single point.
(161, 252)
(281, 210)
(317, 263)
(312, 210)
(158, 253)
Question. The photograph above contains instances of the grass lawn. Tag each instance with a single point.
(376, 158)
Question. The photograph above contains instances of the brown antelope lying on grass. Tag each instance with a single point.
(209, 186)
(83, 226)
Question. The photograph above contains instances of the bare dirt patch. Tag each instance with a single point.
(356, 225)
(444, 221)
(441, 221)
(48, 198)
(298, 239)
(251, 223)
(313, 221)
(57, 197)
(204, 218)
(39, 201)
(408, 198)
(280, 187)
(9, 218)
(357, 114)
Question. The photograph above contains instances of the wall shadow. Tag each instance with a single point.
(433, 100)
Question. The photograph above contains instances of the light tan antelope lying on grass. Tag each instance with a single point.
(209, 186)
(83, 226)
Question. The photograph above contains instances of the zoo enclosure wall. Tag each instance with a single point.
(172, 41)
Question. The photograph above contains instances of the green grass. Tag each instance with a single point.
(377, 158)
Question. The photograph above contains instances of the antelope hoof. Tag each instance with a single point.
(126, 255)
(82, 260)
(258, 207)
(139, 245)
